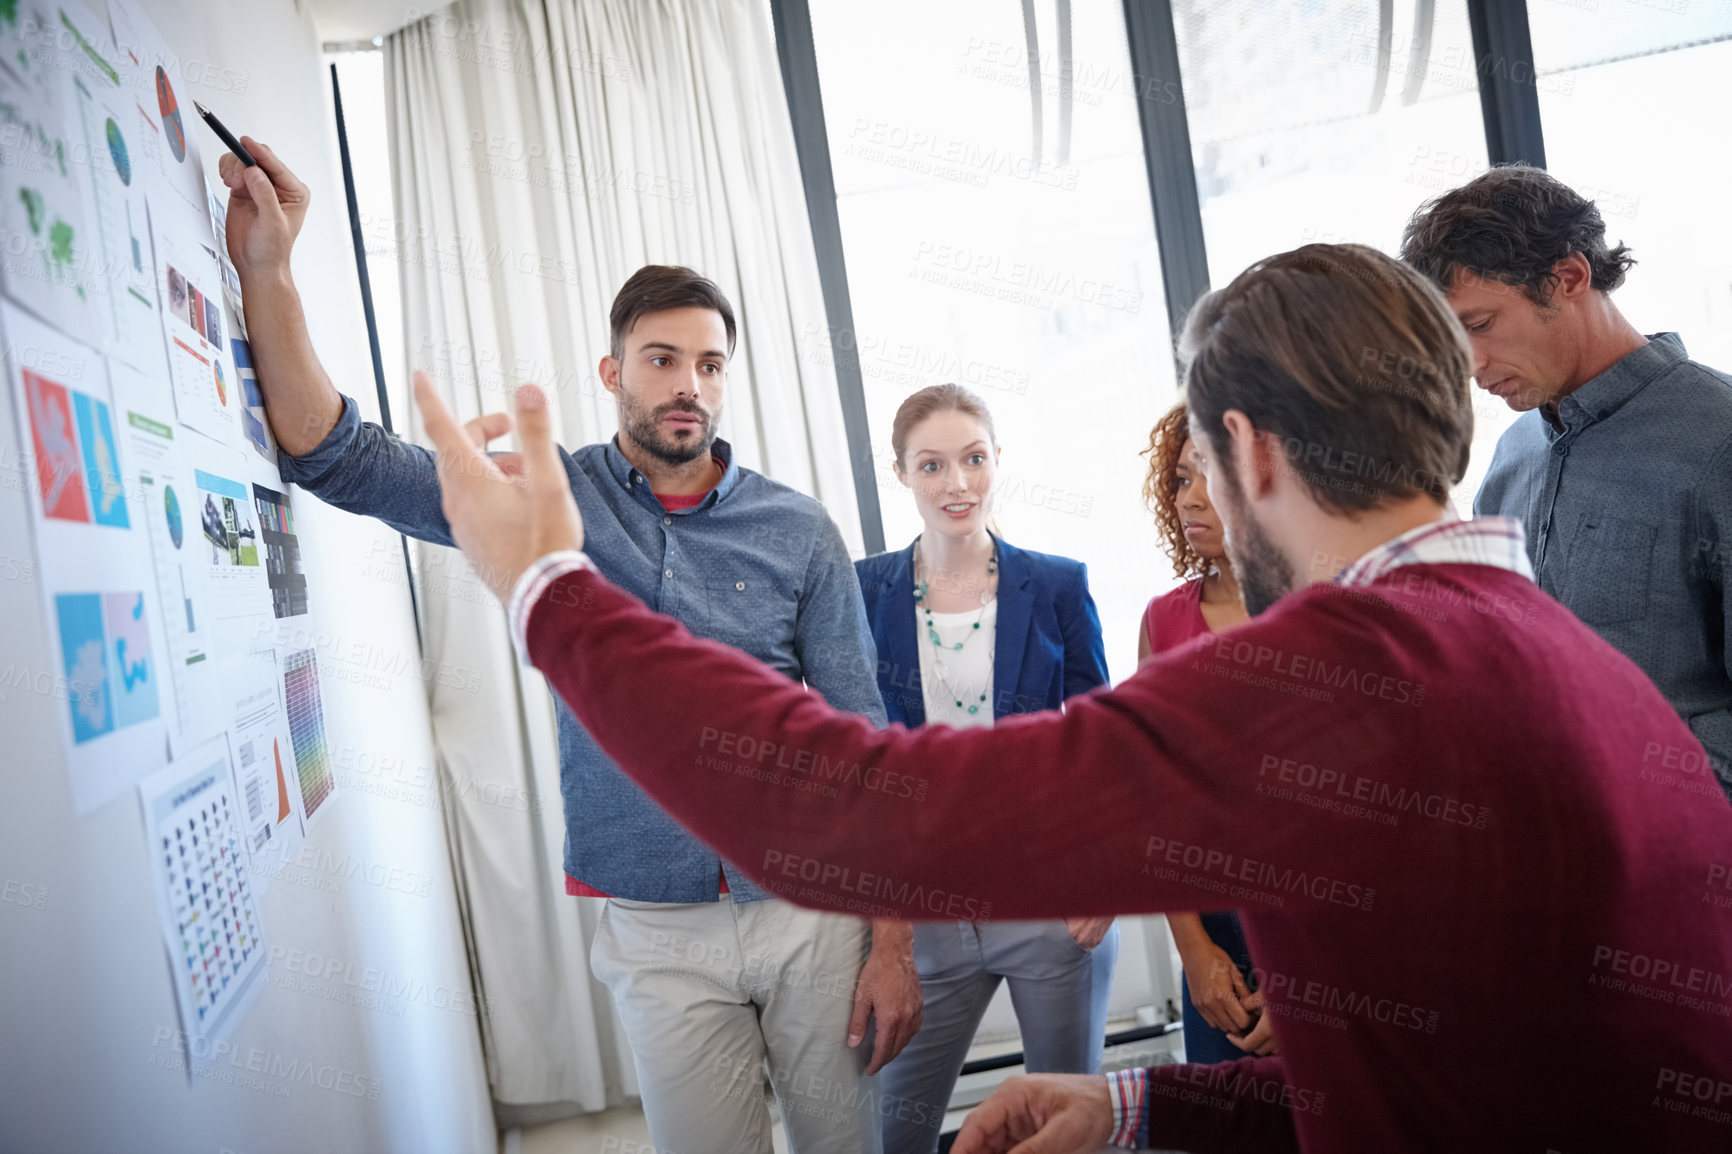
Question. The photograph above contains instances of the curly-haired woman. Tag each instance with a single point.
(1222, 1020)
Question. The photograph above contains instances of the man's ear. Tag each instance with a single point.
(1572, 277)
(1253, 455)
(608, 370)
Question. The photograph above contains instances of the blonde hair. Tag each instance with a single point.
(936, 399)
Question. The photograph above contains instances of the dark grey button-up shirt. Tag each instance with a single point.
(1628, 509)
(755, 565)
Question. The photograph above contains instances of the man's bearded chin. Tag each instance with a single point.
(645, 427)
(1265, 575)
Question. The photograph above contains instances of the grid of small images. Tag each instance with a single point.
(282, 553)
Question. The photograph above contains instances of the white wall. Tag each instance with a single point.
(85, 995)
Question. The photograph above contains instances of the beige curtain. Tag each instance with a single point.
(542, 151)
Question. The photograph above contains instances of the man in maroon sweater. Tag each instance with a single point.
(1488, 916)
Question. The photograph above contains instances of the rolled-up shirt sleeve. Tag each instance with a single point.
(360, 468)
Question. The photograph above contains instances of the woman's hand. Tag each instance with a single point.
(1261, 1040)
(1217, 987)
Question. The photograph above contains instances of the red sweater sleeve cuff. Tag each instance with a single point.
(532, 586)
(1246, 1105)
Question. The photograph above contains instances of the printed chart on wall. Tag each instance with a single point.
(204, 886)
(307, 730)
(255, 426)
(217, 197)
(94, 564)
(188, 280)
(267, 787)
(233, 553)
(46, 258)
(167, 152)
(161, 479)
(98, 127)
(192, 324)
(283, 570)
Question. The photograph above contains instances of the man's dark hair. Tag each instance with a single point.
(656, 288)
(1512, 225)
(1350, 359)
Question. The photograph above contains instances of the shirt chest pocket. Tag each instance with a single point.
(1609, 563)
(752, 610)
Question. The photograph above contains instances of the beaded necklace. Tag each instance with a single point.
(920, 591)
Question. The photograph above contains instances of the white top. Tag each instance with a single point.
(950, 675)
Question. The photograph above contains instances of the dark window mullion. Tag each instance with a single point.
(1154, 50)
(797, 53)
(1509, 97)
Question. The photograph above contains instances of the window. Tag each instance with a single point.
(1328, 122)
(1319, 122)
(362, 77)
(1633, 100)
(1000, 236)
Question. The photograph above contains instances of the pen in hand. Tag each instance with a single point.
(216, 126)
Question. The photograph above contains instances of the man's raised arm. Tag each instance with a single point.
(267, 204)
(326, 448)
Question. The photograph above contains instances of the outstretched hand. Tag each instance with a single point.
(504, 519)
(1040, 1114)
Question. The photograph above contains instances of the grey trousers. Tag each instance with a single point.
(1059, 991)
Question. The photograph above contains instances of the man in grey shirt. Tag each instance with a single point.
(1620, 465)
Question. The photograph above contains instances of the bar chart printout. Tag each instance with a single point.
(307, 729)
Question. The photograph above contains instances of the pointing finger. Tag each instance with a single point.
(457, 457)
(488, 426)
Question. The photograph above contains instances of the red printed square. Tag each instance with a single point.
(59, 465)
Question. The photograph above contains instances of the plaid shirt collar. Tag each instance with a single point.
(1496, 541)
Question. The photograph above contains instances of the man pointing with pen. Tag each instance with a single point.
(737, 557)
(1496, 869)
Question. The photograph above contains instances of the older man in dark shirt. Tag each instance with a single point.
(1620, 466)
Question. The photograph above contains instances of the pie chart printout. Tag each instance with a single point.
(171, 513)
(172, 129)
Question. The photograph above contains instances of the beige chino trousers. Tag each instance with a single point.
(715, 994)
